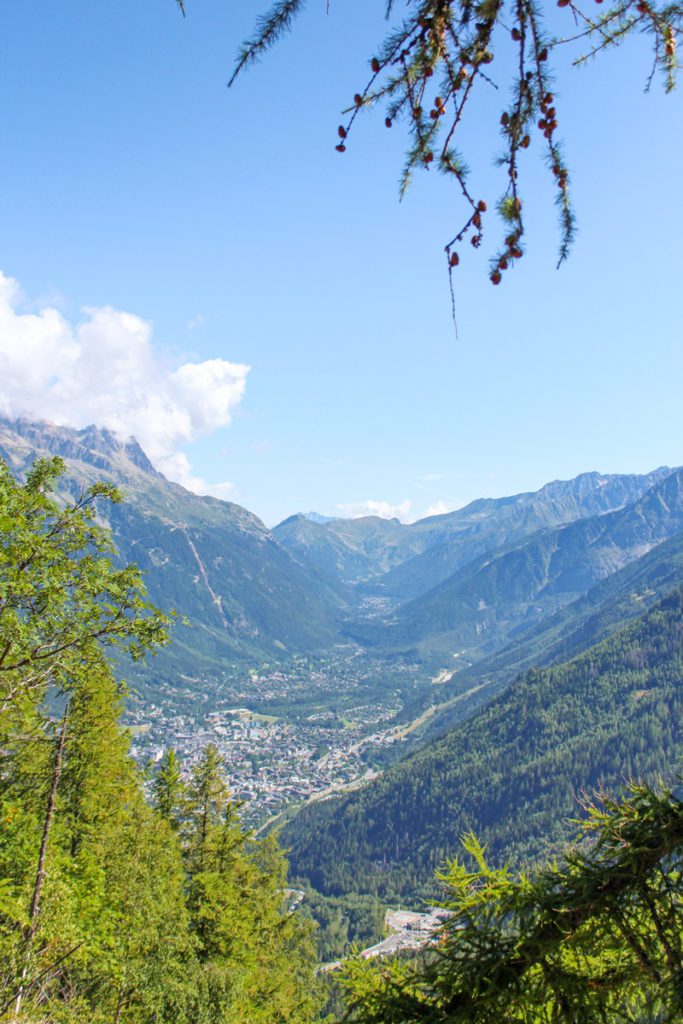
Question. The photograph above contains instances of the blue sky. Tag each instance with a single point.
(133, 180)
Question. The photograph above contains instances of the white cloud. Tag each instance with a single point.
(439, 508)
(104, 370)
(384, 509)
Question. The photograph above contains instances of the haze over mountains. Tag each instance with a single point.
(518, 582)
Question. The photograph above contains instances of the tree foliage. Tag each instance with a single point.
(596, 937)
(60, 592)
(437, 56)
(255, 955)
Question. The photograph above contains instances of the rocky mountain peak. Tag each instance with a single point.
(94, 446)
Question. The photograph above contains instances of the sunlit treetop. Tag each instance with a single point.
(437, 53)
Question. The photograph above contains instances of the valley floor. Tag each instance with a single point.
(288, 734)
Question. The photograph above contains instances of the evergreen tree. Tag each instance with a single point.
(596, 937)
(104, 915)
(168, 789)
(207, 802)
(257, 957)
(60, 591)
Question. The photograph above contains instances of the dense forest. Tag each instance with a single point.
(513, 772)
(112, 909)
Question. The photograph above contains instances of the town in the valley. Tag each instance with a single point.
(286, 736)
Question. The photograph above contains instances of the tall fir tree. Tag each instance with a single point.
(168, 789)
(112, 911)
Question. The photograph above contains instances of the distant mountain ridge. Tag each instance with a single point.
(609, 605)
(490, 523)
(518, 583)
(402, 561)
(348, 549)
(317, 517)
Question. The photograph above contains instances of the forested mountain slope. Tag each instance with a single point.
(211, 560)
(606, 607)
(513, 771)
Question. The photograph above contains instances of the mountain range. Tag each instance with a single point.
(402, 561)
(494, 593)
(461, 582)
